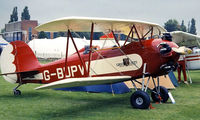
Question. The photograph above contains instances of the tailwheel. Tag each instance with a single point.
(140, 100)
(161, 96)
(17, 92)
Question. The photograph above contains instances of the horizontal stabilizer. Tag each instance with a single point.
(74, 82)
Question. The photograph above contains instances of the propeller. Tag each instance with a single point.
(182, 50)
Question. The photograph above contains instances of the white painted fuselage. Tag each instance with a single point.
(193, 60)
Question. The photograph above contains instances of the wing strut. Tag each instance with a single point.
(116, 40)
(90, 53)
(137, 34)
(70, 35)
(148, 33)
(152, 33)
(131, 31)
(87, 71)
(66, 55)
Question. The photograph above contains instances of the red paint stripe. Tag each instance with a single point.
(192, 56)
(193, 59)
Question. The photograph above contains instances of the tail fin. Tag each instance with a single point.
(17, 57)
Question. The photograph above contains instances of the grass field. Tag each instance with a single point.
(62, 105)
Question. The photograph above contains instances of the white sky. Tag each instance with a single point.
(157, 11)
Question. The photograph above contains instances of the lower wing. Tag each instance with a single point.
(74, 82)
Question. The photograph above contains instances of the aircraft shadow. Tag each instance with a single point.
(85, 106)
(24, 95)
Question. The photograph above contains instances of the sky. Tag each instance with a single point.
(156, 11)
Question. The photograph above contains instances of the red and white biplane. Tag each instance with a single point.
(143, 54)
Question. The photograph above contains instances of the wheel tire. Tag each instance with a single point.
(17, 92)
(140, 100)
(163, 94)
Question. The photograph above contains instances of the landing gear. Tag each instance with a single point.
(160, 94)
(140, 100)
(17, 92)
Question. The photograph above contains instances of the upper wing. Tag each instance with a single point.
(74, 82)
(83, 24)
(185, 39)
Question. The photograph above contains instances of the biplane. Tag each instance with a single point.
(144, 54)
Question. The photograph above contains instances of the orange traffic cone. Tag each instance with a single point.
(151, 107)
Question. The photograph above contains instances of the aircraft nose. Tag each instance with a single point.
(164, 48)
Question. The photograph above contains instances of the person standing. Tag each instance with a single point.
(182, 67)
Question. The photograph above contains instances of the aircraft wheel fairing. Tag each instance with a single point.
(163, 94)
(140, 100)
(17, 92)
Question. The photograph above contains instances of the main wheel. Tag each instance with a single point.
(17, 92)
(140, 100)
(163, 94)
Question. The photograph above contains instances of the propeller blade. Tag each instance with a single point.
(182, 50)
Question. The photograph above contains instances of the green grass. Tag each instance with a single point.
(58, 105)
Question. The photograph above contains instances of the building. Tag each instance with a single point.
(20, 30)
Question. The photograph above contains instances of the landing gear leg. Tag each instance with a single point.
(140, 98)
(159, 93)
(161, 96)
(17, 92)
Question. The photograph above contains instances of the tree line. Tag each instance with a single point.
(173, 25)
(24, 15)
